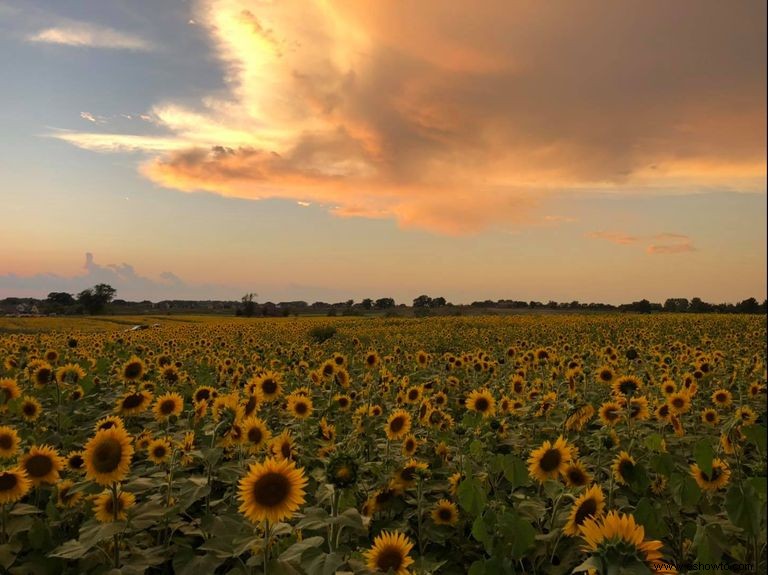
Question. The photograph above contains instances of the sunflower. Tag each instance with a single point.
(398, 425)
(104, 506)
(389, 553)
(712, 481)
(668, 387)
(9, 390)
(255, 433)
(170, 375)
(14, 484)
(133, 402)
(271, 491)
(579, 418)
(282, 446)
(606, 375)
(342, 471)
(591, 503)
(407, 475)
(627, 385)
(454, 481)
(268, 387)
(109, 422)
(9, 442)
(65, 499)
(445, 513)
(663, 412)
(617, 537)
(550, 460)
(746, 415)
(623, 468)
(410, 445)
(575, 475)
(482, 402)
(108, 456)
(710, 417)
(168, 405)
(679, 402)
(372, 359)
(299, 406)
(610, 413)
(76, 461)
(159, 450)
(133, 369)
(42, 464)
(638, 408)
(342, 401)
(204, 393)
(70, 373)
(722, 397)
(43, 375)
(31, 408)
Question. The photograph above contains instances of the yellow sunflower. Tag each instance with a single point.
(168, 405)
(623, 468)
(591, 503)
(445, 513)
(104, 506)
(109, 422)
(398, 425)
(133, 402)
(616, 537)
(31, 408)
(76, 461)
(627, 385)
(481, 401)
(65, 499)
(268, 386)
(9, 442)
(710, 417)
(389, 554)
(9, 390)
(550, 460)
(722, 397)
(255, 433)
(282, 446)
(679, 402)
(746, 415)
(299, 406)
(575, 475)
(610, 413)
(42, 464)
(108, 456)
(271, 491)
(407, 475)
(713, 481)
(159, 450)
(133, 369)
(14, 484)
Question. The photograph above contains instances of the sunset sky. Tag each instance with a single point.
(592, 150)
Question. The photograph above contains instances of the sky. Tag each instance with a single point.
(327, 150)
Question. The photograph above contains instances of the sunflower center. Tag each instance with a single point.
(301, 408)
(29, 409)
(6, 441)
(587, 508)
(76, 461)
(444, 514)
(8, 481)
(605, 375)
(167, 407)
(626, 467)
(132, 370)
(255, 435)
(202, 394)
(551, 460)
(576, 476)
(397, 424)
(482, 404)
(285, 450)
(678, 402)
(389, 558)
(269, 386)
(160, 451)
(107, 456)
(628, 387)
(39, 465)
(271, 490)
(133, 400)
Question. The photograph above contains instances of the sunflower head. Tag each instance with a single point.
(398, 425)
(14, 484)
(445, 513)
(716, 479)
(108, 456)
(550, 460)
(591, 503)
(9, 442)
(624, 468)
(42, 464)
(271, 490)
(618, 540)
(389, 554)
(342, 471)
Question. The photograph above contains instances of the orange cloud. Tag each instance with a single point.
(459, 119)
(613, 237)
(680, 243)
(671, 248)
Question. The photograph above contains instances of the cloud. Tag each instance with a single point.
(457, 120)
(84, 35)
(680, 248)
(614, 237)
(130, 285)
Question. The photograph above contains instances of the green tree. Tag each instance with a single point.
(94, 300)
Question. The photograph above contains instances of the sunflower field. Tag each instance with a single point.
(521, 444)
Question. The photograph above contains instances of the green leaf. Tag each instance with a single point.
(323, 563)
(518, 533)
(295, 551)
(663, 463)
(515, 470)
(760, 485)
(72, 549)
(741, 508)
(684, 489)
(703, 455)
(314, 518)
(654, 441)
(472, 497)
(650, 518)
(477, 568)
(757, 435)
(708, 543)
(480, 533)
(477, 448)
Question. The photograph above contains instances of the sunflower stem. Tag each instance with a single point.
(2, 523)
(419, 501)
(115, 512)
(266, 545)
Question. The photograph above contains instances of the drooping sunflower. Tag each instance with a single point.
(575, 475)
(9, 442)
(718, 479)
(9, 390)
(550, 460)
(616, 537)
(398, 425)
(454, 481)
(623, 468)
(104, 507)
(256, 434)
(591, 503)
(271, 491)
(108, 456)
(445, 513)
(481, 401)
(133, 402)
(627, 385)
(168, 405)
(159, 450)
(65, 499)
(610, 413)
(299, 406)
(14, 484)
(133, 369)
(31, 408)
(42, 464)
(389, 553)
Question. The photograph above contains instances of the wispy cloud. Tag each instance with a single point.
(680, 248)
(457, 120)
(614, 237)
(85, 35)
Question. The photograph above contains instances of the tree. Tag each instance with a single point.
(95, 299)
(384, 303)
(367, 303)
(422, 301)
(60, 298)
(679, 304)
(248, 308)
(748, 306)
(438, 302)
